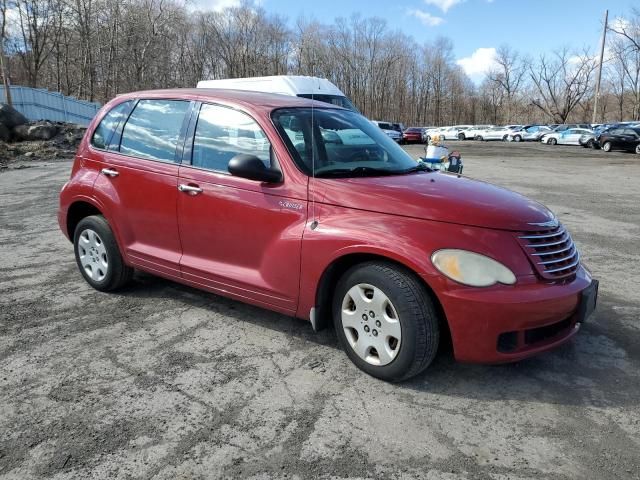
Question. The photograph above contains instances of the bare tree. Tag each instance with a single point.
(509, 75)
(36, 19)
(561, 82)
(4, 13)
(626, 58)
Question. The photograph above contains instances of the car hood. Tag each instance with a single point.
(436, 196)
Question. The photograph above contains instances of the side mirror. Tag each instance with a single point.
(252, 168)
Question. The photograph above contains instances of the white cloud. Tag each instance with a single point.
(425, 17)
(443, 5)
(479, 62)
(220, 5)
(620, 24)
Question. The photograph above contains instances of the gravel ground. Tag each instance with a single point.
(164, 381)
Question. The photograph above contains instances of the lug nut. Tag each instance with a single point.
(378, 324)
(375, 332)
(371, 314)
(366, 328)
(364, 317)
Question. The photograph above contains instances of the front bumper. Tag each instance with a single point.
(508, 323)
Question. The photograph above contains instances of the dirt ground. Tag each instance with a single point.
(164, 381)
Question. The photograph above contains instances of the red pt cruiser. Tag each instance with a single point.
(311, 210)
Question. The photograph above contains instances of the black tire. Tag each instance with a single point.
(505, 138)
(461, 136)
(417, 316)
(638, 149)
(606, 146)
(589, 144)
(479, 138)
(118, 274)
(552, 141)
(517, 138)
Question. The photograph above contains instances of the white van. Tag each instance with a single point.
(320, 89)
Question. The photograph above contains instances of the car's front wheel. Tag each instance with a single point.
(385, 320)
(517, 138)
(606, 146)
(98, 256)
(479, 138)
(638, 149)
(552, 141)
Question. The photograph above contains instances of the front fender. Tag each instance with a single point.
(408, 241)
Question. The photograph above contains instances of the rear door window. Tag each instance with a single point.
(222, 133)
(153, 129)
(103, 133)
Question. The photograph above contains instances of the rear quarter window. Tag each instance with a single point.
(103, 133)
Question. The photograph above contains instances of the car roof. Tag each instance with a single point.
(240, 97)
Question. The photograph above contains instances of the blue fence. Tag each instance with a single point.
(41, 104)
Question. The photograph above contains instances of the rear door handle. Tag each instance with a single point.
(190, 189)
(109, 172)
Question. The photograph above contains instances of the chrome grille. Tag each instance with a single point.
(552, 252)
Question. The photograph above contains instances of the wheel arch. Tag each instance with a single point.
(78, 210)
(332, 273)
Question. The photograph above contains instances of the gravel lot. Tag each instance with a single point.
(164, 381)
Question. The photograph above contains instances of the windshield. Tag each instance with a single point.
(338, 100)
(339, 143)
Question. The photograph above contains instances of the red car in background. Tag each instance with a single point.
(413, 135)
(312, 211)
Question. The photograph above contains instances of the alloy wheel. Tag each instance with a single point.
(93, 255)
(371, 324)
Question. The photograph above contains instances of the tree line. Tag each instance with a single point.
(96, 49)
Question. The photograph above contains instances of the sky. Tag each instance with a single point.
(477, 27)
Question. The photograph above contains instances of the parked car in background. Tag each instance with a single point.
(171, 182)
(570, 136)
(414, 135)
(460, 132)
(589, 140)
(622, 138)
(398, 127)
(496, 133)
(472, 132)
(388, 128)
(528, 133)
(438, 132)
(567, 126)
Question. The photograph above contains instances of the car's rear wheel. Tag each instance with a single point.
(98, 256)
(552, 141)
(638, 149)
(606, 146)
(517, 138)
(461, 136)
(385, 321)
(479, 138)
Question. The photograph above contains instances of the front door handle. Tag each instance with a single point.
(190, 189)
(109, 172)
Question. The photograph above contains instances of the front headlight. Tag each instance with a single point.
(471, 268)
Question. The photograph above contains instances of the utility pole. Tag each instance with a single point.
(599, 78)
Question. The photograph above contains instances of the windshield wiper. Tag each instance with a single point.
(420, 167)
(357, 172)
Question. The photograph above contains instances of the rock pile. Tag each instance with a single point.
(41, 140)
